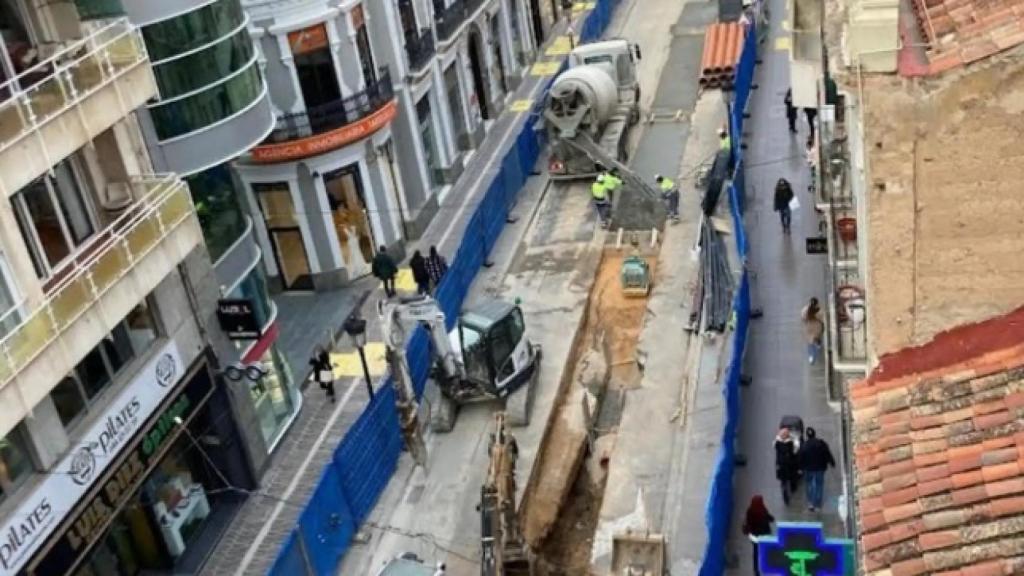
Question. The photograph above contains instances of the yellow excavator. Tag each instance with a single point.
(504, 550)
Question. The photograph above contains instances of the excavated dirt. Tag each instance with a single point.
(561, 512)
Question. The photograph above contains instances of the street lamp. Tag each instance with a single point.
(355, 327)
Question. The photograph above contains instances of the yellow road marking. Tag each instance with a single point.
(521, 105)
(347, 365)
(561, 45)
(404, 281)
(545, 68)
(782, 43)
(785, 25)
(581, 6)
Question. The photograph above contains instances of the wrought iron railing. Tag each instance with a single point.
(163, 204)
(420, 49)
(46, 90)
(449, 18)
(334, 115)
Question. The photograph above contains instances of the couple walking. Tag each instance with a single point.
(812, 458)
(426, 271)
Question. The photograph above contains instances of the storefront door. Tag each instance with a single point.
(275, 200)
(351, 222)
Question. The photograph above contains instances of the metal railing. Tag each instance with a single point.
(420, 49)
(334, 115)
(44, 91)
(448, 19)
(164, 202)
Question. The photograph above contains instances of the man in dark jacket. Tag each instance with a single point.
(384, 268)
(787, 469)
(783, 196)
(790, 111)
(815, 458)
(418, 265)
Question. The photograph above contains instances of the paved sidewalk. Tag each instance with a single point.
(784, 277)
(256, 534)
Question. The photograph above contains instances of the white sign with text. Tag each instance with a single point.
(41, 511)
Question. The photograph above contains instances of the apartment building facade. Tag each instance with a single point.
(123, 448)
(212, 105)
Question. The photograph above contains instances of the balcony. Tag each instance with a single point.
(60, 104)
(330, 126)
(419, 49)
(449, 19)
(114, 271)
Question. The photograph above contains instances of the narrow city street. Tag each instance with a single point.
(784, 277)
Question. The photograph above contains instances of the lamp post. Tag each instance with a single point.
(355, 327)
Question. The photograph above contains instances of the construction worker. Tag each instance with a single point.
(599, 193)
(612, 183)
(724, 142)
(670, 194)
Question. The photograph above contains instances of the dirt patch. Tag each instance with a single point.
(560, 513)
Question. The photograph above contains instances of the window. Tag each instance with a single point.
(15, 466)
(94, 374)
(193, 29)
(10, 310)
(192, 72)
(217, 208)
(254, 289)
(53, 217)
(423, 114)
(190, 113)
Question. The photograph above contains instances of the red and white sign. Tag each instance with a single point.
(332, 140)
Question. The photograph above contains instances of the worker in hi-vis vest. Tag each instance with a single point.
(670, 194)
(724, 142)
(612, 183)
(599, 193)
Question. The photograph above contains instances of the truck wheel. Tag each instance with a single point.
(443, 410)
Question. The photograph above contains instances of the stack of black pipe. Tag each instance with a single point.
(716, 278)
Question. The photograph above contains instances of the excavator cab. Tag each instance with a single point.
(496, 354)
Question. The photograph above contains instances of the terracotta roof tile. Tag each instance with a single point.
(940, 454)
(994, 568)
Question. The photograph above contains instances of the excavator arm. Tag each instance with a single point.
(504, 551)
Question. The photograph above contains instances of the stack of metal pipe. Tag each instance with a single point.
(723, 44)
(716, 282)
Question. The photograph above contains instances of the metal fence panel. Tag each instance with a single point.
(327, 528)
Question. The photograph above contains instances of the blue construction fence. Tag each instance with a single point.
(367, 457)
(718, 512)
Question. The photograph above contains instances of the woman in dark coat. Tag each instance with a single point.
(758, 523)
(418, 264)
(787, 465)
(783, 196)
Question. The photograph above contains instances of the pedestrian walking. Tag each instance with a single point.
(814, 328)
(323, 372)
(783, 198)
(811, 114)
(758, 522)
(670, 194)
(436, 267)
(791, 113)
(418, 265)
(815, 459)
(787, 466)
(599, 194)
(385, 269)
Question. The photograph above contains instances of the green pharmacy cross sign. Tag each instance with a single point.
(801, 549)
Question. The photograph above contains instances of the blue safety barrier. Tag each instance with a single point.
(718, 511)
(367, 456)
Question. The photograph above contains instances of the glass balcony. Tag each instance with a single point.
(55, 85)
(420, 49)
(97, 9)
(163, 204)
(334, 115)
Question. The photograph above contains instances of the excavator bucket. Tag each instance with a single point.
(635, 276)
(638, 554)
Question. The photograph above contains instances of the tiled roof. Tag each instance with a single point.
(938, 435)
(963, 31)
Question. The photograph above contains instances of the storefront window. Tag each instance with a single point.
(193, 29)
(273, 395)
(254, 289)
(426, 122)
(15, 466)
(220, 216)
(130, 339)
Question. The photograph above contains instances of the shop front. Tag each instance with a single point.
(162, 505)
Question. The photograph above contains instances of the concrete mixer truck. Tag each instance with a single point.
(590, 108)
